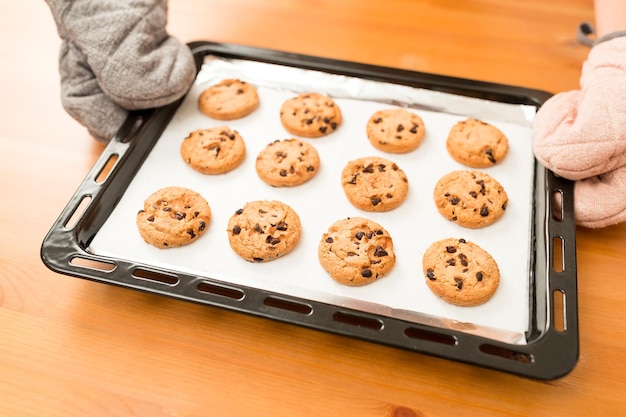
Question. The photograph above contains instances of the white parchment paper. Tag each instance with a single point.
(321, 201)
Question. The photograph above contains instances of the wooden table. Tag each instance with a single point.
(71, 347)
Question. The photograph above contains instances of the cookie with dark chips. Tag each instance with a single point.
(264, 230)
(172, 217)
(395, 130)
(215, 150)
(287, 163)
(460, 272)
(477, 144)
(310, 115)
(229, 99)
(356, 251)
(374, 184)
(472, 199)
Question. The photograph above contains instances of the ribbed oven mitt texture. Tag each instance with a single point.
(581, 135)
(116, 56)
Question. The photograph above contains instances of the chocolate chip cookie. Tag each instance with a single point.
(374, 184)
(395, 130)
(287, 163)
(310, 115)
(460, 272)
(172, 217)
(229, 99)
(477, 144)
(216, 150)
(472, 199)
(265, 230)
(356, 251)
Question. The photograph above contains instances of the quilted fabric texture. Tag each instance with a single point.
(116, 56)
(581, 135)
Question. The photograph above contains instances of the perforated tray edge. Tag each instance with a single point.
(552, 350)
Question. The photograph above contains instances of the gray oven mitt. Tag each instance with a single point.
(116, 56)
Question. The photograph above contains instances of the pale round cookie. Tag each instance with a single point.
(216, 150)
(310, 115)
(264, 230)
(395, 130)
(287, 163)
(460, 272)
(229, 99)
(477, 144)
(356, 251)
(472, 199)
(374, 184)
(172, 217)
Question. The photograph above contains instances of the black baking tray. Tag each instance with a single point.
(552, 346)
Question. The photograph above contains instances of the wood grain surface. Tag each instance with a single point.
(71, 347)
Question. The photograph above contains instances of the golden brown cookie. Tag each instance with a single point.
(310, 115)
(460, 272)
(477, 144)
(287, 163)
(374, 184)
(395, 130)
(229, 99)
(172, 217)
(213, 151)
(472, 199)
(356, 251)
(264, 230)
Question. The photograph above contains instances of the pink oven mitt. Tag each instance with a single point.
(116, 56)
(581, 135)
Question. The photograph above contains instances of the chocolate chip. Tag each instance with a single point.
(380, 252)
(462, 240)
(196, 214)
(167, 209)
(459, 283)
(473, 194)
(353, 179)
(272, 240)
(150, 219)
(329, 240)
(282, 226)
(258, 228)
(236, 230)
(454, 200)
(378, 120)
(430, 274)
(333, 125)
(400, 128)
(359, 235)
(323, 129)
(191, 233)
(283, 173)
(239, 211)
(484, 211)
(369, 169)
(366, 273)
(479, 276)
(310, 168)
(451, 262)
(180, 215)
(257, 259)
(450, 249)
(375, 201)
(482, 186)
(414, 129)
(490, 156)
(202, 226)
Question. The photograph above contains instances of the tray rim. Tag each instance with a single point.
(549, 354)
